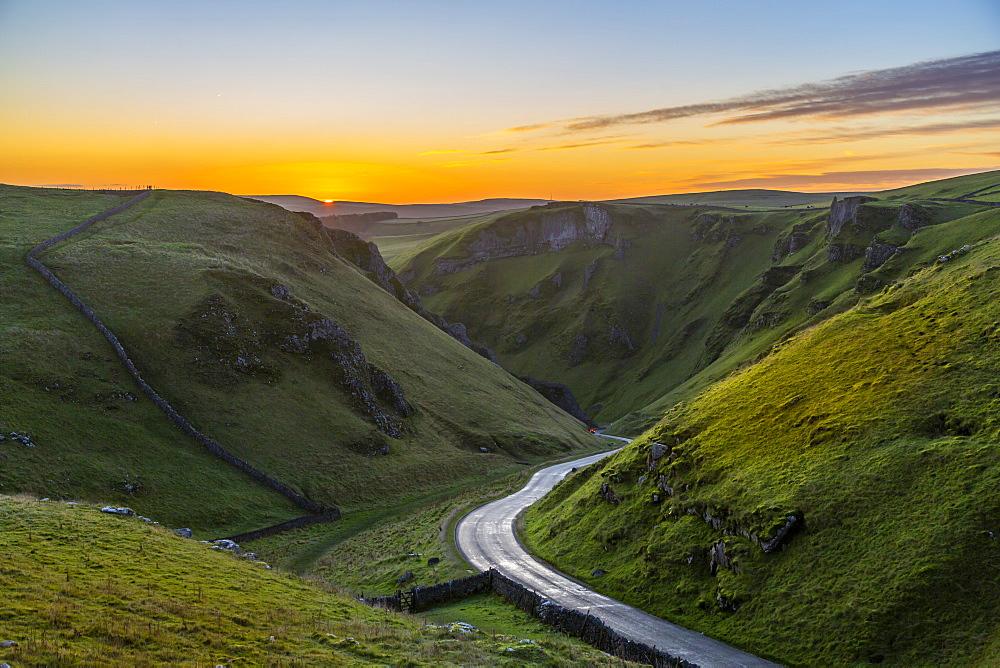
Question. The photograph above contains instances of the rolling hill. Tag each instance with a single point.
(635, 305)
(247, 320)
(321, 208)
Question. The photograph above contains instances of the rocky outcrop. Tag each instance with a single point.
(459, 332)
(365, 256)
(797, 239)
(561, 396)
(608, 494)
(843, 252)
(843, 210)
(544, 232)
(236, 339)
(620, 339)
(878, 254)
(913, 216)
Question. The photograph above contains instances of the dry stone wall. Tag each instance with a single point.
(322, 513)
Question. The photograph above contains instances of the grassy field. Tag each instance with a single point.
(877, 427)
(154, 274)
(84, 588)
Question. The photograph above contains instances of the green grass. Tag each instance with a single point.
(958, 186)
(696, 301)
(880, 427)
(93, 429)
(150, 269)
(84, 588)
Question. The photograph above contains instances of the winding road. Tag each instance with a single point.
(486, 537)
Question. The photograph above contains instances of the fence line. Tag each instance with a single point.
(585, 626)
(322, 513)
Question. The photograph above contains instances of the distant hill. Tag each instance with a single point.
(320, 209)
(756, 198)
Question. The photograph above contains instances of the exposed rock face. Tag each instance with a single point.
(373, 391)
(842, 211)
(913, 216)
(366, 257)
(561, 396)
(780, 539)
(608, 494)
(878, 254)
(459, 332)
(796, 240)
(620, 338)
(550, 231)
(717, 558)
(843, 252)
(656, 453)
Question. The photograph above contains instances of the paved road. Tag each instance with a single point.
(486, 538)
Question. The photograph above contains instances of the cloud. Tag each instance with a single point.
(447, 150)
(499, 151)
(969, 82)
(989, 154)
(857, 180)
(670, 144)
(586, 144)
(836, 135)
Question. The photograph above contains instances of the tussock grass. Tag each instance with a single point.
(84, 588)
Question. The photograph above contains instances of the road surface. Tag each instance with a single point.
(486, 538)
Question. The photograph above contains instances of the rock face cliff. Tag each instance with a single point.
(238, 337)
(561, 396)
(547, 232)
(842, 211)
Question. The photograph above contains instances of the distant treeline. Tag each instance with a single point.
(359, 223)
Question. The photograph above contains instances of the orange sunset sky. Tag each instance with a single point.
(446, 101)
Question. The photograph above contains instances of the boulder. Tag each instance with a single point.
(405, 577)
(226, 544)
(184, 533)
(433, 561)
(7, 644)
(598, 572)
(112, 510)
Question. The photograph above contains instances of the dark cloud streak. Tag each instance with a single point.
(971, 82)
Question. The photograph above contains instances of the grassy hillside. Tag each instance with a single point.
(667, 299)
(223, 303)
(877, 430)
(84, 588)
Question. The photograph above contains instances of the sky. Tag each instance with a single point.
(447, 100)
